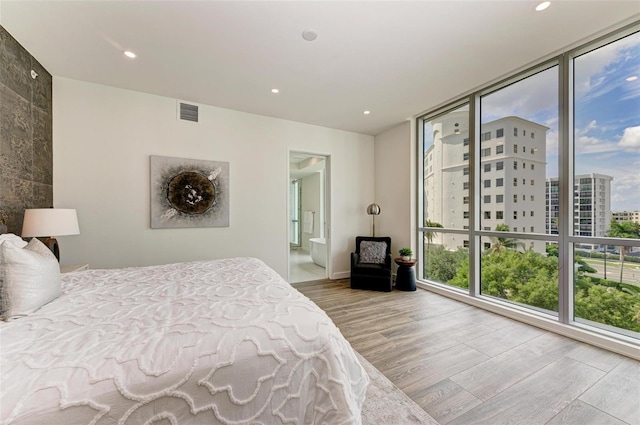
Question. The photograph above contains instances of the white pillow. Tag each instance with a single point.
(29, 278)
(14, 239)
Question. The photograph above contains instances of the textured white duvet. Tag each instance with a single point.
(216, 342)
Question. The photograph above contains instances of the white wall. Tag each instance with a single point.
(102, 140)
(395, 182)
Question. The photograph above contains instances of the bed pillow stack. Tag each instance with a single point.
(29, 277)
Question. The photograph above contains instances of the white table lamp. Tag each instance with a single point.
(50, 222)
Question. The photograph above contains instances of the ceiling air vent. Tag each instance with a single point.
(187, 112)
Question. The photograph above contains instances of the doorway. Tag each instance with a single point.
(308, 253)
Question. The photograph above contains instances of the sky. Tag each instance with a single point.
(606, 115)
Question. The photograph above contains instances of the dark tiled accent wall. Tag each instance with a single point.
(26, 159)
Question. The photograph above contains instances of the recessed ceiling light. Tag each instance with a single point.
(542, 6)
(309, 35)
(275, 91)
(129, 54)
(632, 78)
(367, 112)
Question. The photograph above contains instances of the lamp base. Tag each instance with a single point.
(52, 244)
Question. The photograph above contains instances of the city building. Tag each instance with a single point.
(591, 202)
(633, 216)
(513, 152)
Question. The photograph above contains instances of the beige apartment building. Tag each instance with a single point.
(512, 177)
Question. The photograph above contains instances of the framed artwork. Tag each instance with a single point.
(189, 193)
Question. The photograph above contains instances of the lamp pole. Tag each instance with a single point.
(373, 210)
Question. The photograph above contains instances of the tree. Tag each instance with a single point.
(443, 263)
(624, 229)
(608, 305)
(531, 278)
(501, 244)
(429, 234)
(583, 267)
(528, 278)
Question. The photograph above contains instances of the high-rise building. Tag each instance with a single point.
(512, 172)
(591, 206)
(633, 216)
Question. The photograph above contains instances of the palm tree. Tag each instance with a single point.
(429, 234)
(502, 244)
(624, 229)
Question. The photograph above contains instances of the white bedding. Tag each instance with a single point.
(215, 342)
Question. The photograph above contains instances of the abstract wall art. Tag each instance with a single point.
(189, 193)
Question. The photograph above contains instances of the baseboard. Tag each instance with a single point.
(340, 275)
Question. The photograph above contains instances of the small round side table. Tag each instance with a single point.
(406, 276)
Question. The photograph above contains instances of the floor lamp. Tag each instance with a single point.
(373, 210)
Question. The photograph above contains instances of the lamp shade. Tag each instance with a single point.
(373, 209)
(50, 222)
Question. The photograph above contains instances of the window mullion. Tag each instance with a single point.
(565, 191)
(474, 191)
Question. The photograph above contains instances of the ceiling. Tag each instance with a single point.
(393, 58)
(302, 165)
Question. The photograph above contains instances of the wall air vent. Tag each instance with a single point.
(187, 112)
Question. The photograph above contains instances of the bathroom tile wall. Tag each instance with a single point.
(26, 160)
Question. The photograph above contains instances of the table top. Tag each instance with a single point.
(399, 261)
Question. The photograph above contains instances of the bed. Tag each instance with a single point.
(210, 342)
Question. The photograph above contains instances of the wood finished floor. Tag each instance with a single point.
(464, 365)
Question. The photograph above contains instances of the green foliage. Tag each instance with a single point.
(531, 278)
(624, 229)
(584, 267)
(429, 234)
(442, 264)
(595, 254)
(429, 223)
(502, 227)
(584, 282)
(405, 252)
(502, 244)
(609, 306)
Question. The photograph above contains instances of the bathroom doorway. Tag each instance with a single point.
(307, 217)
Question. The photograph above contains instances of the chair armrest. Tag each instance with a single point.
(354, 259)
(387, 261)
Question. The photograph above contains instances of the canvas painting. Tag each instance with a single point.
(189, 193)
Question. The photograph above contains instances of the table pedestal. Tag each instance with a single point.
(405, 276)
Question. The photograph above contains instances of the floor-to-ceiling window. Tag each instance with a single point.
(445, 146)
(530, 189)
(518, 158)
(605, 129)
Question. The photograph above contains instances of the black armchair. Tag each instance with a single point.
(371, 264)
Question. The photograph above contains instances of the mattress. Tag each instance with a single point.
(212, 342)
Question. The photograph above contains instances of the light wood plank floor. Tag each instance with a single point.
(464, 365)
